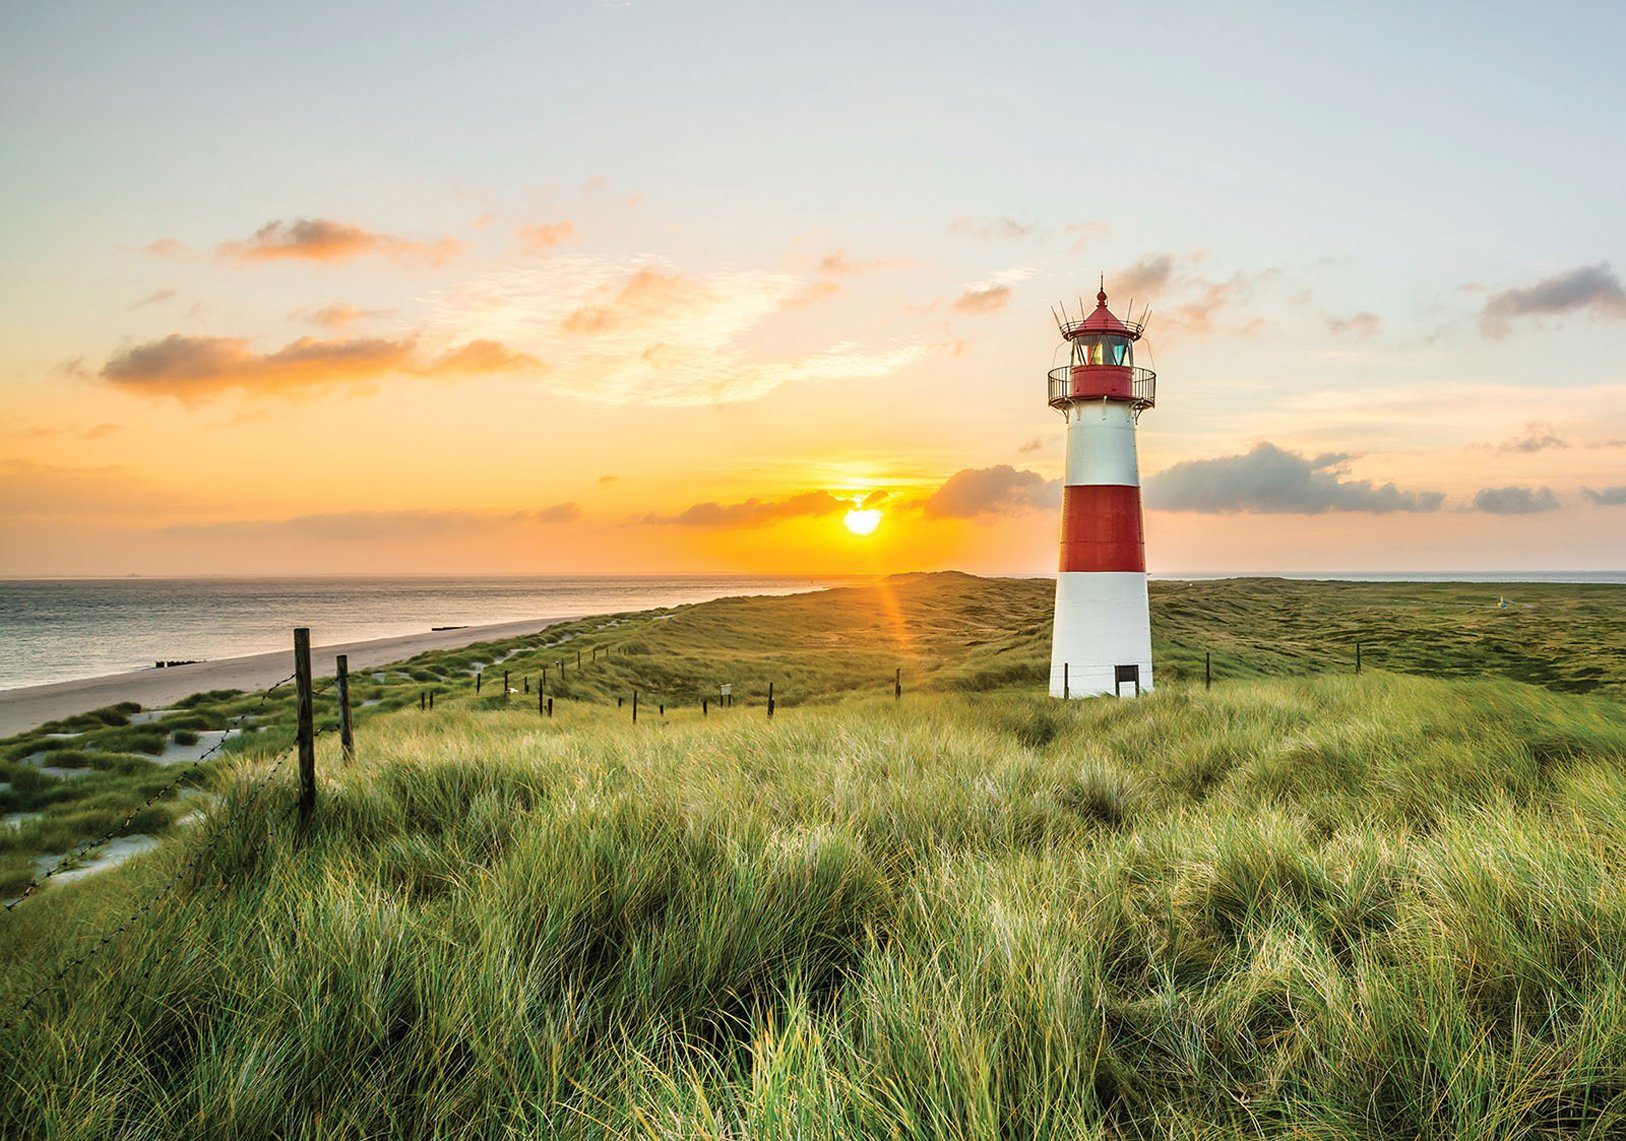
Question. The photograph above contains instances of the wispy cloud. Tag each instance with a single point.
(371, 526)
(339, 315)
(989, 299)
(324, 240)
(186, 366)
(1272, 481)
(644, 332)
(1594, 288)
(1515, 500)
(1536, 438)
(1359, 325)
(155, 298)
(1001, 228)
(1608, 496)
(544, 236)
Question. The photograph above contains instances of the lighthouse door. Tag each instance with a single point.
(1121, 674)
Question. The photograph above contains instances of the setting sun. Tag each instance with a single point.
(862, 522)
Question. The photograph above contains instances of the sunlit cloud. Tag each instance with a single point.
(755, 512)
(641, 331)
(998, 490)
(1270, 481)
(545, 236)
(324, 240)
(1536, 438)
(1608, 496)
(187, 366)
(157, 297)
(340, 315)
(991, 299)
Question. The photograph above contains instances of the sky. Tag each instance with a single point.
(675, 287)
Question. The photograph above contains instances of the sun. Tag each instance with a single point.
(862, 522)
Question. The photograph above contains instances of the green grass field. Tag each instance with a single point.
(1301, 904)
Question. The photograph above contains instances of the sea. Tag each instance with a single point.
(64, 629)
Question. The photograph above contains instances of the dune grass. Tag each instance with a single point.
(1295, 906)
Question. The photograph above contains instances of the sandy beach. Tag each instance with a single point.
(28, 706)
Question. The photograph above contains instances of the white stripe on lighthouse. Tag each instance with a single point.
(1101, 445)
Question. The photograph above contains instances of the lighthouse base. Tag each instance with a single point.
(1101, 643)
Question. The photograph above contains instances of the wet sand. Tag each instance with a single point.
(28, 706)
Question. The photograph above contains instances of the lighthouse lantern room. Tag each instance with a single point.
(1101, 642)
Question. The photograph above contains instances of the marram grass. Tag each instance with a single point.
(1309, 908)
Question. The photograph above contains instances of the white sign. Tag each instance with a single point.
(724, 690)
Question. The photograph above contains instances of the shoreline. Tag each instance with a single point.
(25, 707)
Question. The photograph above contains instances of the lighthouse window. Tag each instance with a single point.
(1105, 350)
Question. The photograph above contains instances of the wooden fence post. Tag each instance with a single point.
(1208, 669)
(539, 699)
(525, 680)
(550, 707)
(479, 676)
(423, 700)
(635, 707)
(663, 708)
(897, 685)
(307, 721)
(431, 699)
(505, 685)
(1065, 682)
(770, 699)
(347, 735)
(704, 711)
(1357, 658)
(543, 684)
(578, 659)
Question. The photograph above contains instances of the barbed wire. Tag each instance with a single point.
(87, 846)
(162, 892)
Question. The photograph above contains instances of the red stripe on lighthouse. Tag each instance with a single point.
(1101, 529)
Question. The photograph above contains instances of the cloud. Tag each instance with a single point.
(1515, 500)
(1587, 287)
(371, 526)
(1272, 481)
(643, 332)
(992, 228)
(1084, 233)
(156, 298)
(992, 299)
(998, 490)
(1360, 325)
(546, 235)
(166, 248)
(1608, 497)
(1147, 276)
(188, 366)
(608, 480)
(838, 264)
(1033, 445)
(339, 315)
(1536, 438)
(755, 512)
(323, 240)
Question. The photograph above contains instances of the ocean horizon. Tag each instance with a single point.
(66, 629)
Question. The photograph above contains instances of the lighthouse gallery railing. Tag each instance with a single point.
(1142, 387)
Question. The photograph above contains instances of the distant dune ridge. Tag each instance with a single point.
(1301, 902)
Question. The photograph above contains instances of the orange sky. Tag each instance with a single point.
(372, 320)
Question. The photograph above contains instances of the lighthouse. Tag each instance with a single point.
(1102, 639)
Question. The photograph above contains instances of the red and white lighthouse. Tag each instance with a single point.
(1102, 639)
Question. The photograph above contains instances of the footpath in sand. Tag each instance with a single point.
(32, 705)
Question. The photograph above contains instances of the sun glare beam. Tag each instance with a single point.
(862, 522)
